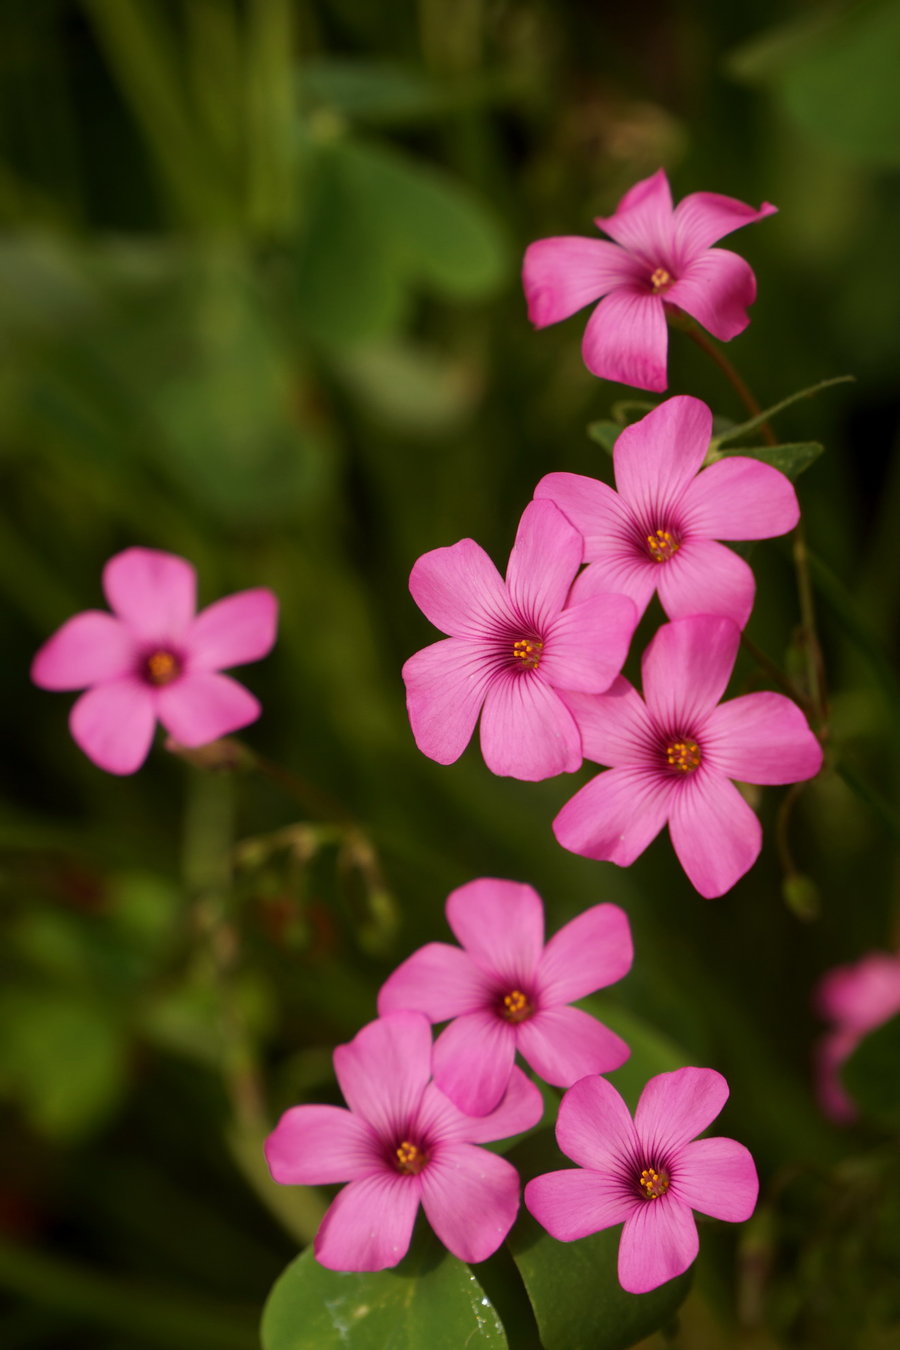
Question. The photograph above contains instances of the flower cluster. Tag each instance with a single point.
(855, 999)
(416, 1112)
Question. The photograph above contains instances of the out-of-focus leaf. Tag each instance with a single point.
(573, 1286)
(372, 92)
(871, 1077)
(605, 433)
(409, 388)
(431, 1299)
(791, 458)
(652, 1052)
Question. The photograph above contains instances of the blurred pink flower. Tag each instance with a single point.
(660, 258)
(857, 999)
(673, 753)
(649, 1173)
(512, 646)
(506, 991)
(402, 1143)
(658, 531)
(154, 657)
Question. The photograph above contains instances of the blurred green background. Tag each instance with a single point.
(259, 306)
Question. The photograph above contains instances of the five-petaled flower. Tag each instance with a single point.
(512, 646)
(402, 1143)
(154, 657)
(506, 991)
(660, 258)
(673, 753)
(857, 999)
(649, 1173)
(658, 530)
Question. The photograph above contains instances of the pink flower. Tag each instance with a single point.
(673, 752)
(857, 999)
(658, 531)
(661, 259)
(506, 991)
(153, 657)
(649, 1173)
(401, 1143)
(512, 646)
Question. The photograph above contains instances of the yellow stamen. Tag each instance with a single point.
(653, 1183)
(528, 652)
(516, 1007)
(410, 1158)
(162, 667)
(662, 545)
(683, 756)
(660, 279)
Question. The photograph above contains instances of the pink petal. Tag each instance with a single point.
(459, 589)
(445, 688)
(315, 1145)
(643, 220)
(656, 458)
(704, 217)
(369, 1225)
(595, 1128)
(590, 952)
(716, 289)
(739, 498)
(830, 1054)
(862, 995)
(382, 1072)
(626, 339)
(615, 726)
(686, 667)
(565, 1044)
(615, 816)
(714, 833)
(471, 1198)
(437, 980)
(500, 924)
(520, 1108)
(575, 1203)
(594, 508)
(235, 630)
(563, 274)
(88, 648)
(761, 738)
(617, 567)
(201, 706)
(706, 578)
(542, 565)
(718, 1178)
(527, 731)
(155, 593)
(587, 644)
(659, 1241)
(473, 1061)
(113, 724)
(675, 1107)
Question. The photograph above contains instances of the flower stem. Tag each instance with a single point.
(737, 382)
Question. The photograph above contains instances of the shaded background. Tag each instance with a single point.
(259, 306)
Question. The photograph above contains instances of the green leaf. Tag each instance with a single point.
(372, 92)
(791, 458)
(431, 1299)
(870, 1075)
(573, 1286)
(605, 433)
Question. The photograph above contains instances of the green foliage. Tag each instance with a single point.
(870, 1075)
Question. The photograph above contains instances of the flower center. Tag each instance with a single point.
(527, 651)
(653, 1183)
(516, 1006)
(162, 667)
(660, 279)
(410, 1158)
(661, 544)
(683, 756)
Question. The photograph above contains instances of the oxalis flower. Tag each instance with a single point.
(402, 1143)
(661, 258)
(512, 646)
(857, 999)
(673, 753)
(658, 530)
(649, 1173)
(154, 657)
(506, 991)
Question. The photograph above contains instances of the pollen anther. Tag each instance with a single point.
(410, 1158)
(683, 756)
(660, 279)
(661, 544)
(516, 1006)
(162, 667)
(653, 1183)
(528, 651)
